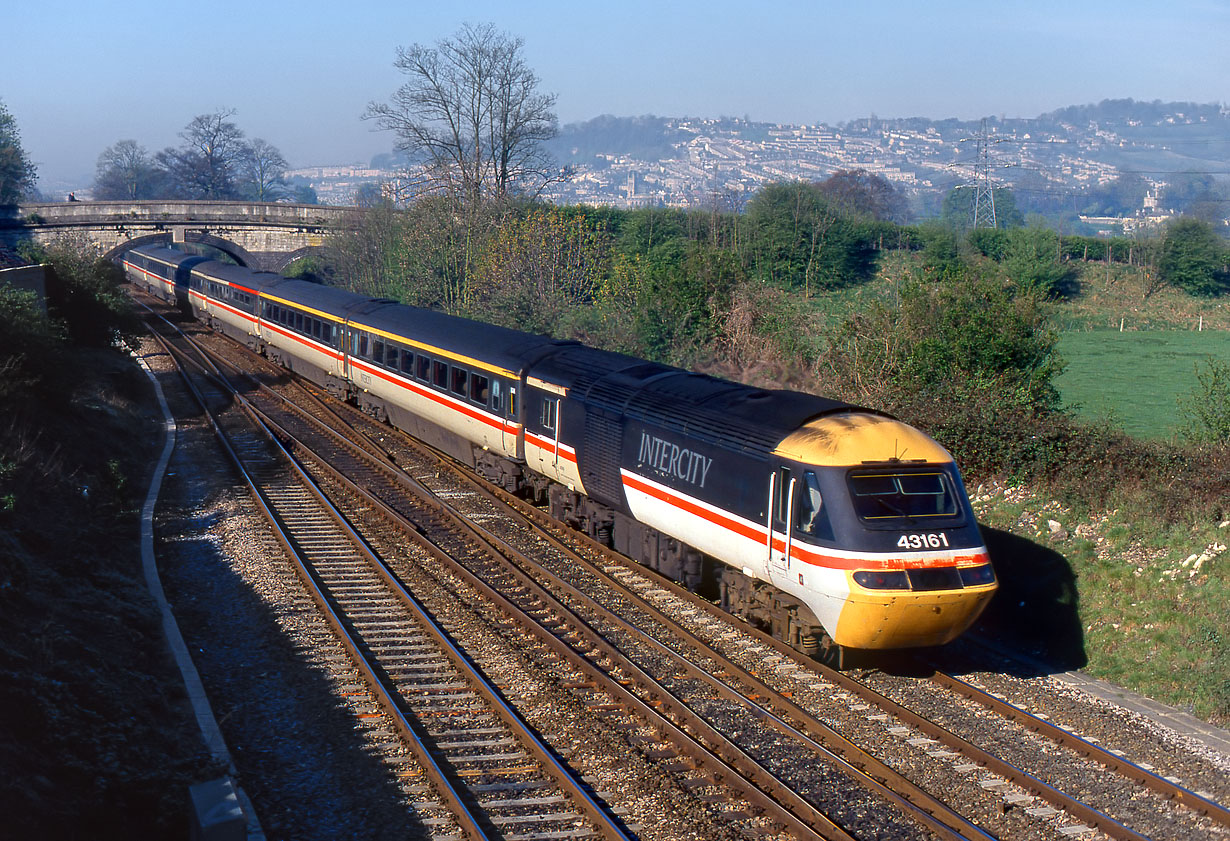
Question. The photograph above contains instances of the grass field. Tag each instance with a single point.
(1136, 378)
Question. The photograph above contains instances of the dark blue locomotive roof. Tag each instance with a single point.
(500, 347)
(735, 416)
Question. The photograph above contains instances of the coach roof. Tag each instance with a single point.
(327, 301)
(485, 346)
(237, 275)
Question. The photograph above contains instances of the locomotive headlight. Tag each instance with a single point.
(882, 579)
(977, 576)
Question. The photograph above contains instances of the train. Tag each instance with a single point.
(834, 527)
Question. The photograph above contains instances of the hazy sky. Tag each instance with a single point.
(79, 76)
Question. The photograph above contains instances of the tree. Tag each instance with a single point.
(472, 113)
(1120, 197)
(797, 237)
(1193, 258)
(538, 267)
(857, 192)
(17, 173)
(1190, 192)
(212, 156)
(126, 171)
(262, 166)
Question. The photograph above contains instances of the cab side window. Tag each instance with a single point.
(810, 516)
(781, 495)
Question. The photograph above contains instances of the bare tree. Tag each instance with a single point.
(206, 165)
(125, 170)
(471, 112)
(263, 167)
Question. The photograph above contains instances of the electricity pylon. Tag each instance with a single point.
(984, 193)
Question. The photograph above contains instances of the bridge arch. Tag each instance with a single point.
(284, 260)
(239, 254)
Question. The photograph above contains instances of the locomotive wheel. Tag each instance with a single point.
(831, 654)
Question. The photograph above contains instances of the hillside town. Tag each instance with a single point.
(724, 161)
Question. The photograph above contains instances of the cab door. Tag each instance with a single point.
(779, 533)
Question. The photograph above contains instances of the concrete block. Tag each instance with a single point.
(216, 814)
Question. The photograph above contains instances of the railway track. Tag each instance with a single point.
(728, 680)
(489, 772)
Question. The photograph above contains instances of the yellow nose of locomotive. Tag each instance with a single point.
(908, 619)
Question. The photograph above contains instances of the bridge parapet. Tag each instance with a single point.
(262, 235)
(94, 212)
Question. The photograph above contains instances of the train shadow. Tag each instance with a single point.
(1036, 613)
(1032, 627)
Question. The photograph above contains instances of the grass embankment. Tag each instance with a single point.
(99, 739)
(1139, 605)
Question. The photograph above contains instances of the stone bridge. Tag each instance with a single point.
(260, 235)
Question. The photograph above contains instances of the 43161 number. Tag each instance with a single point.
(932, 540)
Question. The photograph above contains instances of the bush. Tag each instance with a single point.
(85, 294)
(970, 334)
(1031, 259)
(30, 344)
(1207, 409)
(1194, 258)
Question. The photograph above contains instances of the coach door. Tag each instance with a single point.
(778, 522)
(504, 407)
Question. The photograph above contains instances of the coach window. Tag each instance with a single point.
(550, 406)
(497, 397)
(460, 378)
(407, 362)
(479, 388)
(422, 367)
(362, 345)
(439, 373)
(378, 351)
